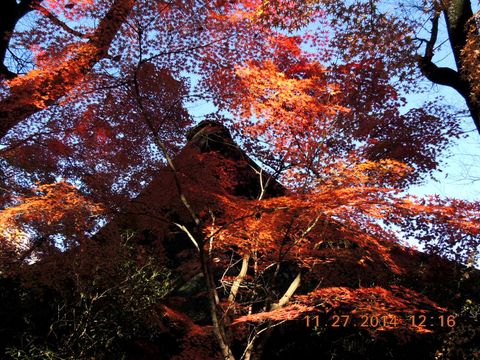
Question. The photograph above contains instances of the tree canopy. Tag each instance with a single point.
(288, 195)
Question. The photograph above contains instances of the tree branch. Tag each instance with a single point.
(289, 293)
(188, 233)
(438, 75)
(239, 279)
(433, 37)
(58, 22)
(441, 75)
(32, 93)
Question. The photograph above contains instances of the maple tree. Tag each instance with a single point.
(410, 36)
(52, 210)
(92, 123)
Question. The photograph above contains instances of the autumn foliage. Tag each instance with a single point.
(288, 200)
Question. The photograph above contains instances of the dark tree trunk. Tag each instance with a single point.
(24, 99)
(457, 17)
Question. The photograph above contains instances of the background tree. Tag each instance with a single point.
(409, 36)
(102, 110)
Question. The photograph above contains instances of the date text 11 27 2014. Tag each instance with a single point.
(382, 321)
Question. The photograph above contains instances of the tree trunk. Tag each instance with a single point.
(217, 322)
(457, 17)
(30, 94)
(239, 278)
(458, 14)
